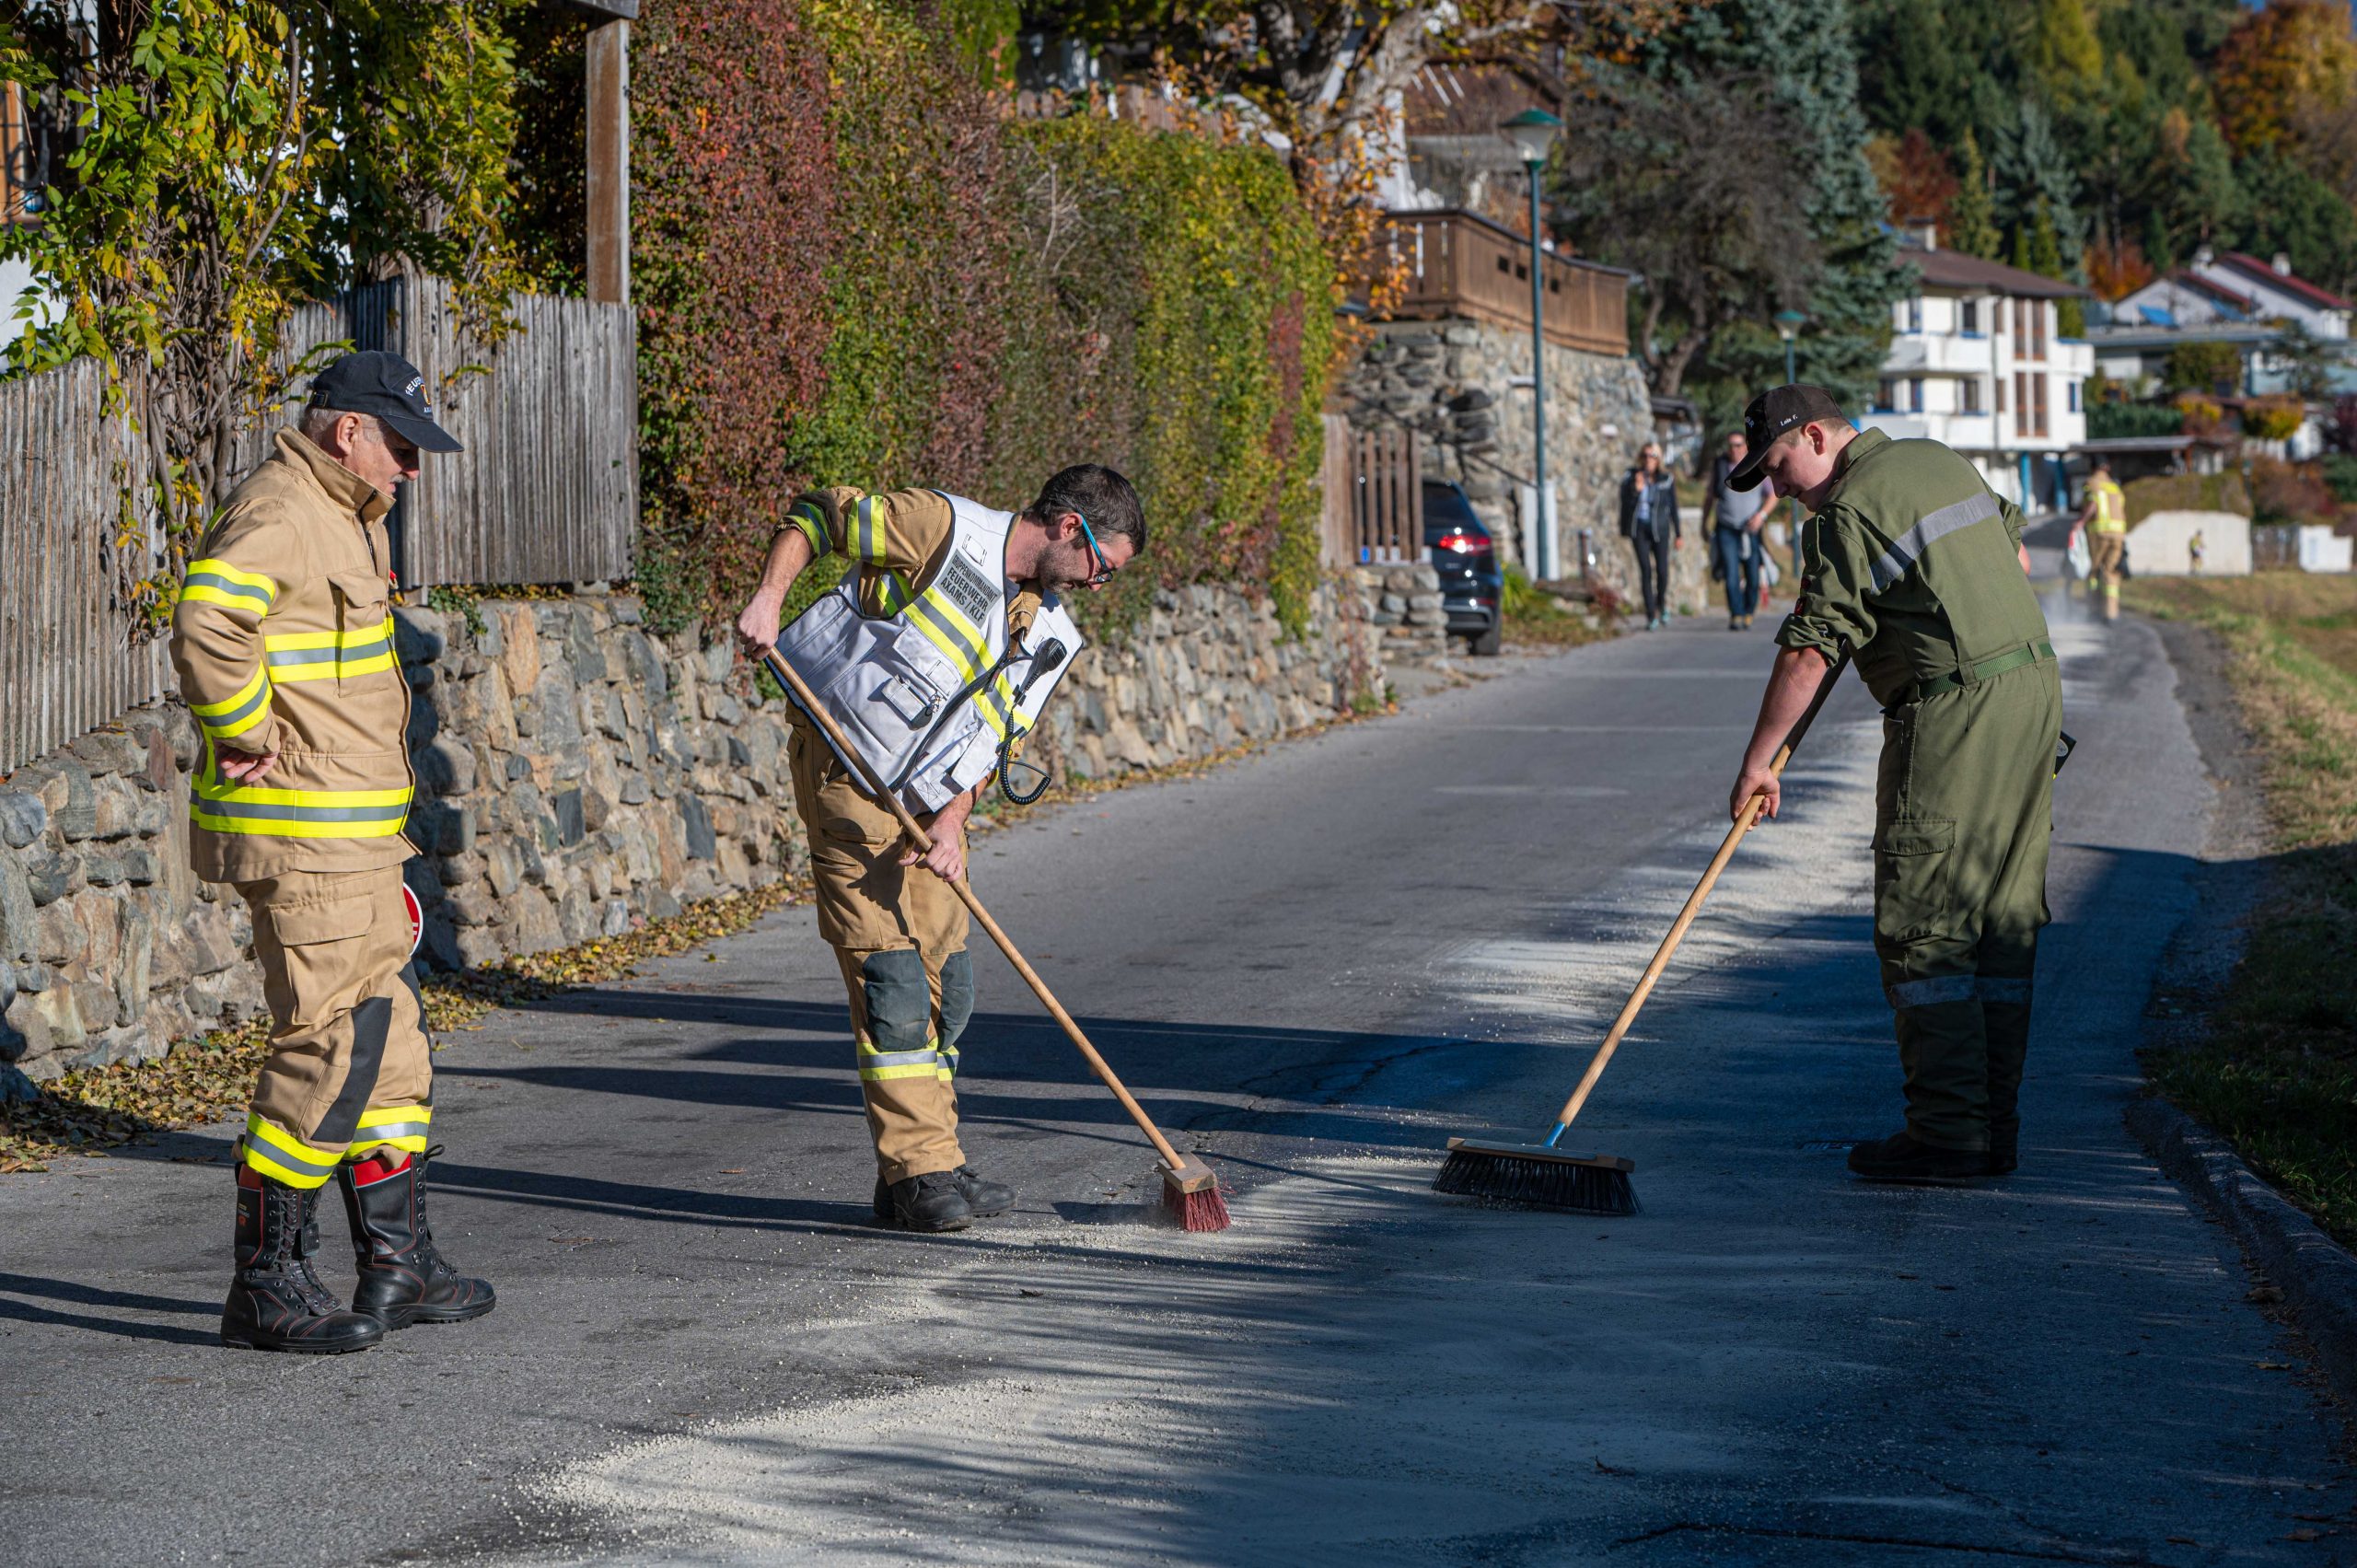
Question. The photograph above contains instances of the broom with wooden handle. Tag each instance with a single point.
(1190, 1188)
(1543, 1176)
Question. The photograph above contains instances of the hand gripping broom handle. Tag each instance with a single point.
(809, 704)
(1693, 905)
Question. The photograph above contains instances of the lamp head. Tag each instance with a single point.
(1533, 132)
(1788, 324)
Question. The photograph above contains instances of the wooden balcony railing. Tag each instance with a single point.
(1462, 264)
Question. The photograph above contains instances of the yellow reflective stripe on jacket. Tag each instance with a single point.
(2111, 508)
(217, 582)
(224, 808)
(284, 1158)
(318, 655)
(234, 715)
(403, 1127)
(867, 540)
(805, 519)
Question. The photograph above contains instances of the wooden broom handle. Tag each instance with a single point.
(917, 836)
(1743, 823)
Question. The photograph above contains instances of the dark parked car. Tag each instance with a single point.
(1471, 578)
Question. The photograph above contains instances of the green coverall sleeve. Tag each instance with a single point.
(1837, 570)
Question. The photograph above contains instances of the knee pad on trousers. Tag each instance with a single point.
(957, 997)
(372, 1024)
(897, 1000)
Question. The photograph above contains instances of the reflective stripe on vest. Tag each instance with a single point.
(2111, 508)
(317, 656)
(222, 807)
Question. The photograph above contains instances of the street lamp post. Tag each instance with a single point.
(1533, 132)
(1788, 326)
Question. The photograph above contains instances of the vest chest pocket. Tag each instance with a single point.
(913, 703)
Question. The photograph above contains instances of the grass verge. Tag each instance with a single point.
(2276, 1074)
(1536, 617)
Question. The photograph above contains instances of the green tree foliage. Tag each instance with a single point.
(227, 158)
(1972, 215)
(863, 274)
(1799, 60)
(2288, 209)
(2205, 367)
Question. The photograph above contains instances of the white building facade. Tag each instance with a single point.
(1977, 363)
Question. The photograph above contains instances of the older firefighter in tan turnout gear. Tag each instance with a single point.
(283, 641)
(935, 655)
(2105, 516)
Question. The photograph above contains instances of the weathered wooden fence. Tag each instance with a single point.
(1374, 494)
(546, 491)
(67, 659)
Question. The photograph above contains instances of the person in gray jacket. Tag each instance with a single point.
(1649, 522)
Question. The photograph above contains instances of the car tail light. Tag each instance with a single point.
(1459, 542)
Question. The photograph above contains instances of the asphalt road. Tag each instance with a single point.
(1314, 966)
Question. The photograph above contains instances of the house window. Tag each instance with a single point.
(1914, 315)
(1968, 395)
(2037, 329)
(1915, 394)
(2074, 397)
(2021, 403)
(2021, 325)
(1886, 396)
(2038, 417)
(1968, 318)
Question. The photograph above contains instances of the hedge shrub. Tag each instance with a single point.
(2186, 492)
(906, 287)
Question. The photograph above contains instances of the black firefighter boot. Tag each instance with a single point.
(402, 1279)
(276, 1301)
(985, 1197)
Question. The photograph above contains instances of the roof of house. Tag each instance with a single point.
(2299, 289)
(2187, 278)
(1954, 269)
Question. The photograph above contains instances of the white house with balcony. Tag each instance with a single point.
(1977, 363)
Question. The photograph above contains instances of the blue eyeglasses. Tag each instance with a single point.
(1104, 567)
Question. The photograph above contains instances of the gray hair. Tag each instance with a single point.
(318, 422)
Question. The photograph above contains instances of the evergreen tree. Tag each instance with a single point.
(2036, 183)
(1972, 216)
(1805, 56)
(2286, 208)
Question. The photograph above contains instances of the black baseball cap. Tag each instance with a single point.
(384, 384)
(1772, 413)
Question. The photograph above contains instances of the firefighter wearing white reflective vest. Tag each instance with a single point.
(935, 655)
(1911, 564)
(283, 641)
(2105, 518)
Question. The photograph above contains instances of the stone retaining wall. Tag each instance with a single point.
(1451, 381)
(576, 775)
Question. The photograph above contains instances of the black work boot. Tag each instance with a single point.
(276, 1301)
(985, 1198)
(1901, 1157)
(930, 1202)
(2004, 1149)
(402, 1279)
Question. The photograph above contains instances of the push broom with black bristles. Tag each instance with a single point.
(1546, 1175)
(1190, 1188)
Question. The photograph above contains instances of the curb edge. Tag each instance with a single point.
(2317, 1276)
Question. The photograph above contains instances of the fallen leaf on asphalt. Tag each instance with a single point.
(212, 1076)
(2182, 1540)
(1908, 1276)
(2305, 1535)
(733, 1170)
(2275, 1367)
(1604, 1468)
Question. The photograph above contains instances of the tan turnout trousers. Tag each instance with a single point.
(900, 934)
(349, 1066)
(2104, 551)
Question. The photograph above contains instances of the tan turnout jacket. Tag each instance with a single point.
(283, 641)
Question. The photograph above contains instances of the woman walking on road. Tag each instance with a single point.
(1649, 522)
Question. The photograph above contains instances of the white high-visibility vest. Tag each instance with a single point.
(930, 694)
